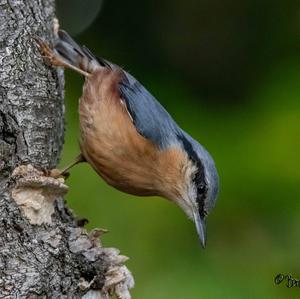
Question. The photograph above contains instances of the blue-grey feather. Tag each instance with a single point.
(154, 123)
(150, 118)
(211, 174)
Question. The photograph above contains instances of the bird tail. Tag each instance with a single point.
(78, 56)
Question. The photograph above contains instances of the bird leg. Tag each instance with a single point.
(55, 173)
(54, 59)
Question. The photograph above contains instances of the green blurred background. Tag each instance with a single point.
(229, 73)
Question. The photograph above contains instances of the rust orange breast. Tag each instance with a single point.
(114, 148)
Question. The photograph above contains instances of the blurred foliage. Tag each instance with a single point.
(229, 72)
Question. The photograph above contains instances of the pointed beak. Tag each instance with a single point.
(201, 228)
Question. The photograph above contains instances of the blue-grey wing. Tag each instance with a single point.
(149, 117)
(154, 123)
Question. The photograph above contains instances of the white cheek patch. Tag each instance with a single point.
(188, 200)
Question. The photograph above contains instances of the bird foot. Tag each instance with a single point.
(49, 56)
(56, 173)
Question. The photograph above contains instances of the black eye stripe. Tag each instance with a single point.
(199, 176)
(199, 181)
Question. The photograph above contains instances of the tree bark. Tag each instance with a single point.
(43, 252)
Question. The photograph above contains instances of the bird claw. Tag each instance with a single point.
(56, 173)
(49, 56)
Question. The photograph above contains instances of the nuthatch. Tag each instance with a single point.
(131, 141)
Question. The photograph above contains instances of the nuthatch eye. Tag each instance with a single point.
(131, 141)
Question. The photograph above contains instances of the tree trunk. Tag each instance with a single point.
(43, 251)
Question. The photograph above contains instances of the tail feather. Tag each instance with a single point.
(65, 37)
(76, 55)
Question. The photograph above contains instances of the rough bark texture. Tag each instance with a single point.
(43, 254)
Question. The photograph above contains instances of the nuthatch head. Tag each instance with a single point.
(131, 140)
